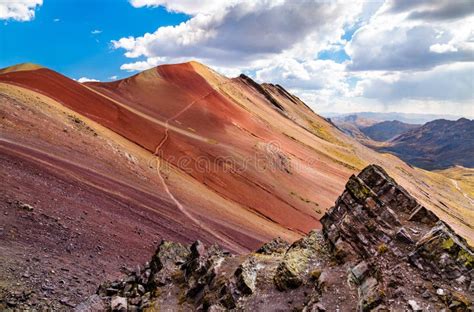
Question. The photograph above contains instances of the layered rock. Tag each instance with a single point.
(378, 250)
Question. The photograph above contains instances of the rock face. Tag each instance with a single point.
(379, 250)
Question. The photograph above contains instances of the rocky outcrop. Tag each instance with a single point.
(378, 250)
(262, 91)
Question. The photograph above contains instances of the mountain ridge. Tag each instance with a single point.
(387, 130)
(438, 144)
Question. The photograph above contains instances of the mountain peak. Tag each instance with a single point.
(188, 64)
(20, 67)
(163, 70)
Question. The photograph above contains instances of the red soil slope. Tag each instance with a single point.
(214, 127)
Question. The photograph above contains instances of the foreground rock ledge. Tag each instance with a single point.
(379, 250)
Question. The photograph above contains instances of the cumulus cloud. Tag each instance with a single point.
(405, 47)
(143, 65)
(394, 40)
(425, 85)
(433, 10)
(380, 55)
(314, 75)
(184, 6)
(19, 10)
(85, 79)
(243, 32)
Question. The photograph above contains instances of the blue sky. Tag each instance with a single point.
(68, 45)
(338, 56)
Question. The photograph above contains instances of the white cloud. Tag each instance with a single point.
(184, 6)
(96, 32)
(402, 52)
(246, 31)
(85, 79)
(432, 10)
(443, 48)
(314, 75)
(443, 83)
(18, 10)
(394, 43)
(114, 77)
(143, 65)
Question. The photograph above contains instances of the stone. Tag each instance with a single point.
(403, 236)
(444, 252)
(287, 275)
(111, 291)
(93, 303)
(315, 274)
(343, 251)
(314, 307)
(323, 280)
(414, 306)
(369, 294)
(459, 302)
(246, 276)
(423, 215)
(461, 280)
(292, 270)
(166, 260)
(200, 268)
(359, 189)
(24, 206)
(216, 308)
(359, 272)
(275, 246)
(364, 219)
(118, 304)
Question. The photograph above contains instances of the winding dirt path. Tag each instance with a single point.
(166, 124)
(181, 207)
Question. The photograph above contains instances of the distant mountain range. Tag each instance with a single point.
(403, 117)
(365, 129)
(387, 130)
(437, 144)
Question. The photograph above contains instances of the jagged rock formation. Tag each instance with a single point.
(378, 250)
